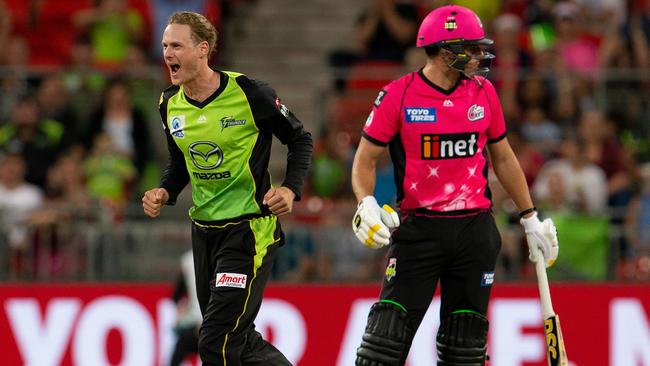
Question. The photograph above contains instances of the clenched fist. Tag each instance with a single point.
(279, 200)
(153, 200)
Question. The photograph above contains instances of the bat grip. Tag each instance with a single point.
(542, 282)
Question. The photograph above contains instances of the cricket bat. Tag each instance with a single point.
(555, 350)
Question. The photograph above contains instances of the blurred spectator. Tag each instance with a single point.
(38, 140)
(386, 29)
(637, 227)
(54, 103)
(112, 26)
(124, 124)
(109, 175)
(511, 57)
(567, 101)
(58, 245)
(578, 61)
(603, 16)
(15, 81)
(83, 82)
(637, 34)
(384, 32)
(540, 131)
(66, 190)
(534, 91)
(603, 149)
(329, 175)
(577, 50)
(142, 86)
(18, 200)
(572, 183)
(541, 44)
(606, 20)
(529, 156)
(81, 76)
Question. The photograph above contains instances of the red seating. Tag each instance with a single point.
(348, 112)
(51, 34)
(144, 9)
(372, 74)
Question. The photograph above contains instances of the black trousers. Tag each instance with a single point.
(232, 263)
(460, 252)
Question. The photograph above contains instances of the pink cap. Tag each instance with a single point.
(451, 23)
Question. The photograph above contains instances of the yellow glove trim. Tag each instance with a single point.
(388, 208)
(371, 233)
(550, 263)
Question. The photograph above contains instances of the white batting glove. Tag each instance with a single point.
(371, 223)
(542, 234)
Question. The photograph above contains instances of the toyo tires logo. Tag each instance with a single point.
(205, 155)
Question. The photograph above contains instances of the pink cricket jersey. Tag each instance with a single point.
(437, 140)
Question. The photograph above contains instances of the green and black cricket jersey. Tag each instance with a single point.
(223, 144)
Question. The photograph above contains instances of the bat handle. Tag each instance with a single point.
(542, 282)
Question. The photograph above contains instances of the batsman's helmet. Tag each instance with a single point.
(453, 28)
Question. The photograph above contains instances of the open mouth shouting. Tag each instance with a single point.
(174, 69)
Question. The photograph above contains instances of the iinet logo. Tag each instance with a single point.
(449, 146)
(230, 280)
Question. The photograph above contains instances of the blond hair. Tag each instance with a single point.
(200, 27)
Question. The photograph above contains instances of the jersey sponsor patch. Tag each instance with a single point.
(231, 121)
(225, 279)
(475, 112)
(449, 146)
(281, 107)
(391, 269)
(212, 176)
(177, 124)
(205, 155)
(379, 98)
(488, 279)
(419, 115)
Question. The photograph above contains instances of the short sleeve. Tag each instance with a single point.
(384, 119)
(496, 131)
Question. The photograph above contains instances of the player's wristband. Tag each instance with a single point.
(527, 211)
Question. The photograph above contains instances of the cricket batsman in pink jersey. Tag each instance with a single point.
(440, 124)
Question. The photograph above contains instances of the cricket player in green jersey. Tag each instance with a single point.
(219, 127)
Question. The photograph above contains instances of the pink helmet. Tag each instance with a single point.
(451, 24)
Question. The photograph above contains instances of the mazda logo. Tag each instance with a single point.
(206, 155)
